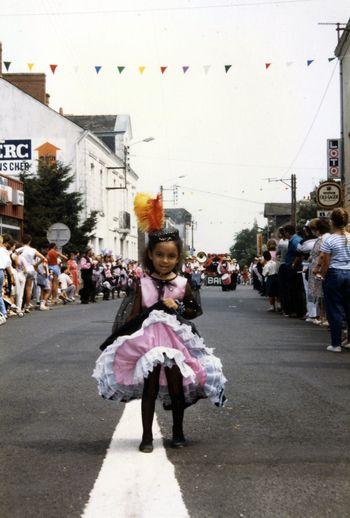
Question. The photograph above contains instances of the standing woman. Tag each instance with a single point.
(335, 269)
(87, 291)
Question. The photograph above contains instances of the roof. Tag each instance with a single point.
(94, 123)
(178, 215)
(277, 209)
(344, 42)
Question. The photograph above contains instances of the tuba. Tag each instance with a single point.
(201, 257)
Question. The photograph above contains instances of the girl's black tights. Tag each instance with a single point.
(149, 396)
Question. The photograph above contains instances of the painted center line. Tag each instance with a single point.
(133, 484)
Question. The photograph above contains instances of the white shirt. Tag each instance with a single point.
(64, 280)
(29, 256)
(5, 260)
(270, 268)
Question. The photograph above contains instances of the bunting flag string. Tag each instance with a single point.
(165, 68)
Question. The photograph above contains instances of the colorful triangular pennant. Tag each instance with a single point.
(30, 66)
(97, 68)
(120, 69)
(227, 68)
(267, 65)
(53, 68)
(309, 61)
(206, 68)
(141, 70)
(163, 69)
(185, 68)
(7, 64)
(331, 59)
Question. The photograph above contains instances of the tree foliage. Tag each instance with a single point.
(306, 209)
(48, 200)
(244, 247)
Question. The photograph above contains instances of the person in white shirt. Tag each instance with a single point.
(270, 273)
(29, 254)
(66, 285)
(5, 267)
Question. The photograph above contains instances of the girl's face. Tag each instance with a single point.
(164, 257)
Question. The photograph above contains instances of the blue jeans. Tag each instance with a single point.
(2, 303)
(336, 288)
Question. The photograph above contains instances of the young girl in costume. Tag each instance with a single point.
(153, 351)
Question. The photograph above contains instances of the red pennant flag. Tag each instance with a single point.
(7, 65)
(267, 65)
(163, 69)
(53, 68)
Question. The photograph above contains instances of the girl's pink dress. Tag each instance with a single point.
(160, 337)
(73, 269)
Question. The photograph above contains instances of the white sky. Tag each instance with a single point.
(225, 132)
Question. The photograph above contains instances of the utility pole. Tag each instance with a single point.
(174, 192)
(292, 184)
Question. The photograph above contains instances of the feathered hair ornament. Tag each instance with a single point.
(149, 212)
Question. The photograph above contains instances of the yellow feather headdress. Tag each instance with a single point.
(149, 212)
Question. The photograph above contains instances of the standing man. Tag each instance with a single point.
(293, 305)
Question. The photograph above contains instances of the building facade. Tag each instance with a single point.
(29, 130)
(342, 52)
(11, 206)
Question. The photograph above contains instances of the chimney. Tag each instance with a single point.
(60, 111)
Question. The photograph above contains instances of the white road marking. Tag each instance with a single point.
(133, 484)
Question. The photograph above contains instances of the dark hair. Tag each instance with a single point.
(340, 217)
(26, 239)
(9, 242)
(51, 246)
(63, 268)
(6, 238)
(271, 244)
(148, 264)
(323, 226)
(289, 229)
(267, 255)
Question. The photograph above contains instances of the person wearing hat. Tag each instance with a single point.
(86, 269)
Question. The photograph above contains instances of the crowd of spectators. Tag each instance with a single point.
(32, 279)
(306, 274)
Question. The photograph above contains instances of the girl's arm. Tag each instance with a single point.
(323, 263)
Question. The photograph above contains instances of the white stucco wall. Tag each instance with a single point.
(24, 118)
(346, 120)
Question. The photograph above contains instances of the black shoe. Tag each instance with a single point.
(146, 446)
(178, 440)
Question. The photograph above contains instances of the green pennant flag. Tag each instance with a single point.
(120, 69)
(7, 65)
(330, 59)
(227, 68)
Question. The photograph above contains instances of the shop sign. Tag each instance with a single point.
(324, 213)
(15, 155)
(334, 159)
(328, 195)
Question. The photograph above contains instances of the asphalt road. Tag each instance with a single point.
(280, 447)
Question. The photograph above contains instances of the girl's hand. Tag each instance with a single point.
(170, 303)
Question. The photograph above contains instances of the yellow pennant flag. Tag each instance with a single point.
(30, 66)
(141, 70)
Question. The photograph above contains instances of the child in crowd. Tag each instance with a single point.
(66, 285)
(156, 353)
(270, 274)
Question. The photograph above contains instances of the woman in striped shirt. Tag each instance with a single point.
(335, 269)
